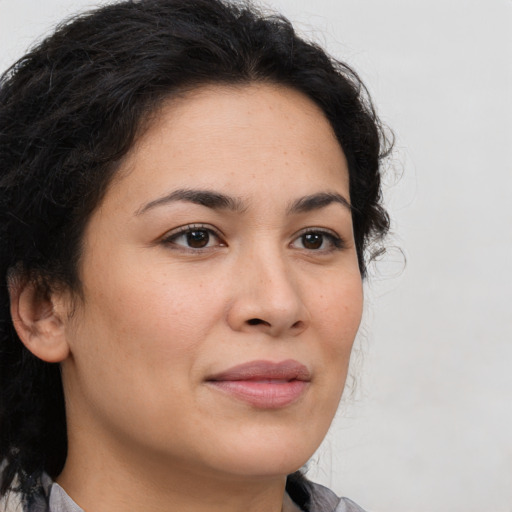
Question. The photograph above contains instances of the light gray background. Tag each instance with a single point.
(430, 425)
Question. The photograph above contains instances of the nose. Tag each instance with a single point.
(267, 299)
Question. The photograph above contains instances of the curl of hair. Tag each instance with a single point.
(72, 107)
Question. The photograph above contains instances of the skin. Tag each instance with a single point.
(157, 317)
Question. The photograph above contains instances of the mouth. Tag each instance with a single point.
(263, 384)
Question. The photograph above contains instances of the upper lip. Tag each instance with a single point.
(264, 370)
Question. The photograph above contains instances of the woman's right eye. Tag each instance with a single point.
(194, 237)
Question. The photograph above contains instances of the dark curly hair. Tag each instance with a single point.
(73, 106)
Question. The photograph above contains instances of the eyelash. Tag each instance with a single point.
(170, 239)
(336, 242)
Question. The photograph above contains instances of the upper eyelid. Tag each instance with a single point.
(314, 229)
(209, 227)
(336, 240)
(169, 239)
(190, 227)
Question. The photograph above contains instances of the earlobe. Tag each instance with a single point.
(37, 320)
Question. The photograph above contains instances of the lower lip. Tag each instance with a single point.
(263, 395)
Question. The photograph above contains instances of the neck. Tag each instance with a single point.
(105, 484)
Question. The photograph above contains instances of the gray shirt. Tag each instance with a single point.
(322, 500)
(53, 498)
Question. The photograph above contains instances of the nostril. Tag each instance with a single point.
(257, 321)
(298, 325)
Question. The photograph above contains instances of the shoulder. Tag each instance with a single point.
(323, 499)
(312, 497)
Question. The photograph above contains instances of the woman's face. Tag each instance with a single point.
(221, 290)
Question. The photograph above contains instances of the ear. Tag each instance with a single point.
(39, 318)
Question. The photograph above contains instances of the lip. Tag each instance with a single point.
(264, 384)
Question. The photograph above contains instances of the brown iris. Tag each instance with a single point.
(198, 238)
(312, 240)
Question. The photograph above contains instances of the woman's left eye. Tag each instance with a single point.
(318, 240)
(194, 237)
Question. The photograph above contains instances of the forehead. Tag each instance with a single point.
(233, 137)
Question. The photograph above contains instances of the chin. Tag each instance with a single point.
(269, 454)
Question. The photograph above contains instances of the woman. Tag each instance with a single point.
(189, 197)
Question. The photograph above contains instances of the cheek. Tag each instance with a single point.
(156, 308)
(135, 338)
(338, 312)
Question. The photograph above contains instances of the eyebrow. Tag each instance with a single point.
(208, 198)
(317, 201)
(219, 201)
